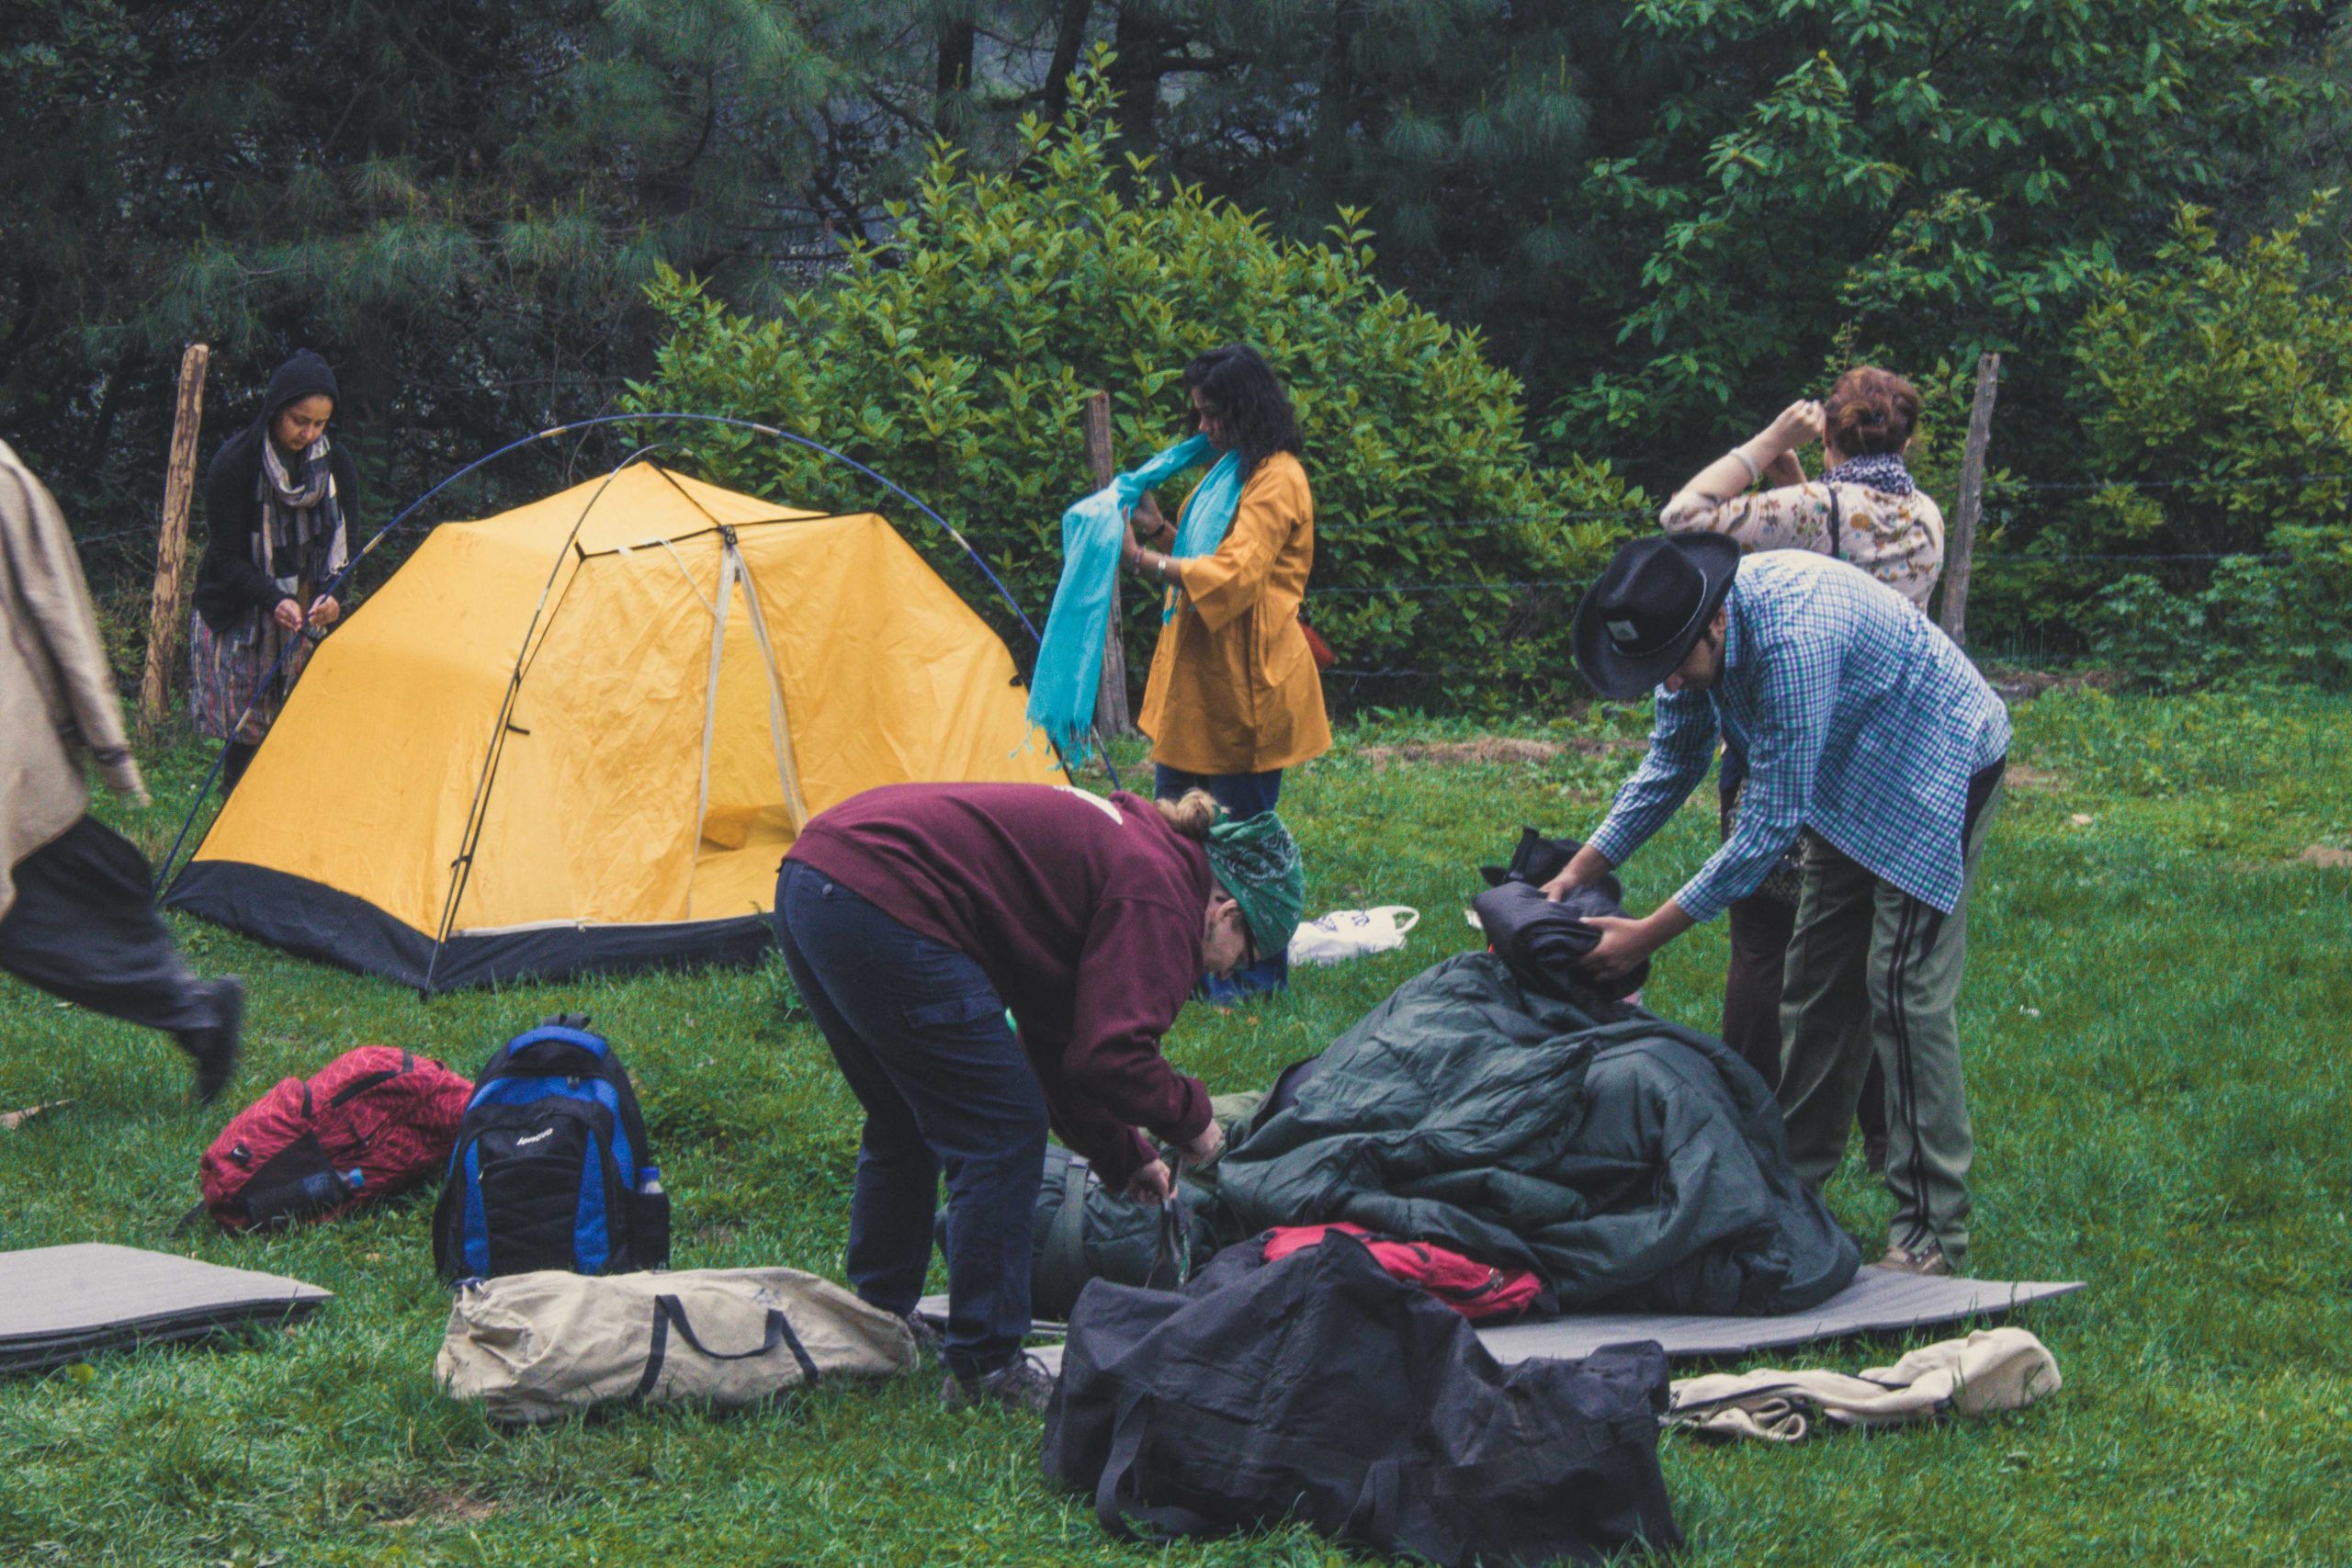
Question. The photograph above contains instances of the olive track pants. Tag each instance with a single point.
(1872, 972)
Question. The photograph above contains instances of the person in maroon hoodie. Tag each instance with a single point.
(913, 915)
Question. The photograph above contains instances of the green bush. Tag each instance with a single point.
(2263, 620)
(955, 357)
(2215, 395)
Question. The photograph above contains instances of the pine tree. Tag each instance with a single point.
(459, 203)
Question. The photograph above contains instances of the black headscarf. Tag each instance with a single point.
(304, 374)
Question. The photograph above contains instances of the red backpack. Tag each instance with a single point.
(1473, 1290)
(374, 1122)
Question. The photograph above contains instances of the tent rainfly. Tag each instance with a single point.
(579, 736)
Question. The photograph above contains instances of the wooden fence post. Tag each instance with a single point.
(1111, 715)
(1963, 543)
(171, 544)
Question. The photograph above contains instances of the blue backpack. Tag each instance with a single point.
(552, 1168)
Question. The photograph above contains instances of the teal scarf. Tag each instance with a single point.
(1070, 656)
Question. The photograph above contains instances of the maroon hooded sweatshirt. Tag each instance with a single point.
(1085, 915)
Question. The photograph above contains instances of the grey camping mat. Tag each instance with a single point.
(1879, 1301)
(58, 1304)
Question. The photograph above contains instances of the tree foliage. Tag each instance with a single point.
(2216, 397)
(1666, 212)
(2215, 390)
(954, 356)
(1939, 177)
(1666, 217)
(459, 203)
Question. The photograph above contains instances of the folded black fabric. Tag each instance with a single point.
(1536, 859)
(1545, 944)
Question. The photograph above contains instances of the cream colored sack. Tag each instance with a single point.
(532, 1347)
(1991, 1371)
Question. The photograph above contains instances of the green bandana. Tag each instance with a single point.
(1256, 860)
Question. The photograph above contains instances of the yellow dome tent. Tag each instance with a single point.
(580, 735)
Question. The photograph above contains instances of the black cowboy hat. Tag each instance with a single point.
(1649, 607)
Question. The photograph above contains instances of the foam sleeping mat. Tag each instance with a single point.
(1880, 1300)
(59, 1304)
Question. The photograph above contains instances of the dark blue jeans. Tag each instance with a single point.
(1241, 794)
(920, 1035)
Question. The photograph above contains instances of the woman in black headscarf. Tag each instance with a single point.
(279, 500)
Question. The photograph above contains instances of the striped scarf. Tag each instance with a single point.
(301, 543)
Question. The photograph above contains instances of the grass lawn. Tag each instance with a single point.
(2156, 1027)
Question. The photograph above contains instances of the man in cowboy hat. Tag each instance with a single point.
(1870, 734)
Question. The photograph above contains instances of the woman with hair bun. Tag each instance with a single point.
(913, 915)
(1865, 510)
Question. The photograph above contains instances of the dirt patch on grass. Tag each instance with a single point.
(441, 1508)
(1488, 750)
(2020, 776)
(2329, 857)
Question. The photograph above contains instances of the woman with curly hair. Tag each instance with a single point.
(1234, 697)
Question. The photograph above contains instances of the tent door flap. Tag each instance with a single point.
(734, 569)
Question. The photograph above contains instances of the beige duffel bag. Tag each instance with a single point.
(532, 1347)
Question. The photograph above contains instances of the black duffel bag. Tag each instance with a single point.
(1321, 1390)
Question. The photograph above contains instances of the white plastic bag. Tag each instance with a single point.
(1350, 933)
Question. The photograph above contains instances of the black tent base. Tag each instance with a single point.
(315, 921)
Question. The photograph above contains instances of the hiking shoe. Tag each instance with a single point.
(1024, 1386)
(215, 1046)
(1928, 1262)
(927, 1331)
(1874, 1156)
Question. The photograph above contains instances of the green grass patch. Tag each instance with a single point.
(2155, 1023)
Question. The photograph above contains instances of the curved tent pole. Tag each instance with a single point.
(204, 791)
(477, 814)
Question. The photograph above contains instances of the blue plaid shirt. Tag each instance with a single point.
(1859, 719)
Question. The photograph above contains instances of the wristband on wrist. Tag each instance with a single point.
(1755, 473)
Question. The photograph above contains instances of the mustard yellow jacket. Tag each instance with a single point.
(1233, 687)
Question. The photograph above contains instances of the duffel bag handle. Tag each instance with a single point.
(1171, 1254)
(1116, 1507)
(1376, 1520)
(668, 1310)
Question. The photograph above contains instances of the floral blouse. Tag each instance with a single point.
(1898, 540)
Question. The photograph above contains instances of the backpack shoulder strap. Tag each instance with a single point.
(1062, 1270)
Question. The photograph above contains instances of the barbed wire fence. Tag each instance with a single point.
(132, 549)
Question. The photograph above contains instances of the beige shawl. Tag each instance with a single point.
(58, 704)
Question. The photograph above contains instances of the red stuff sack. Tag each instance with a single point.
(374, 1122)
(1475, 1291)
